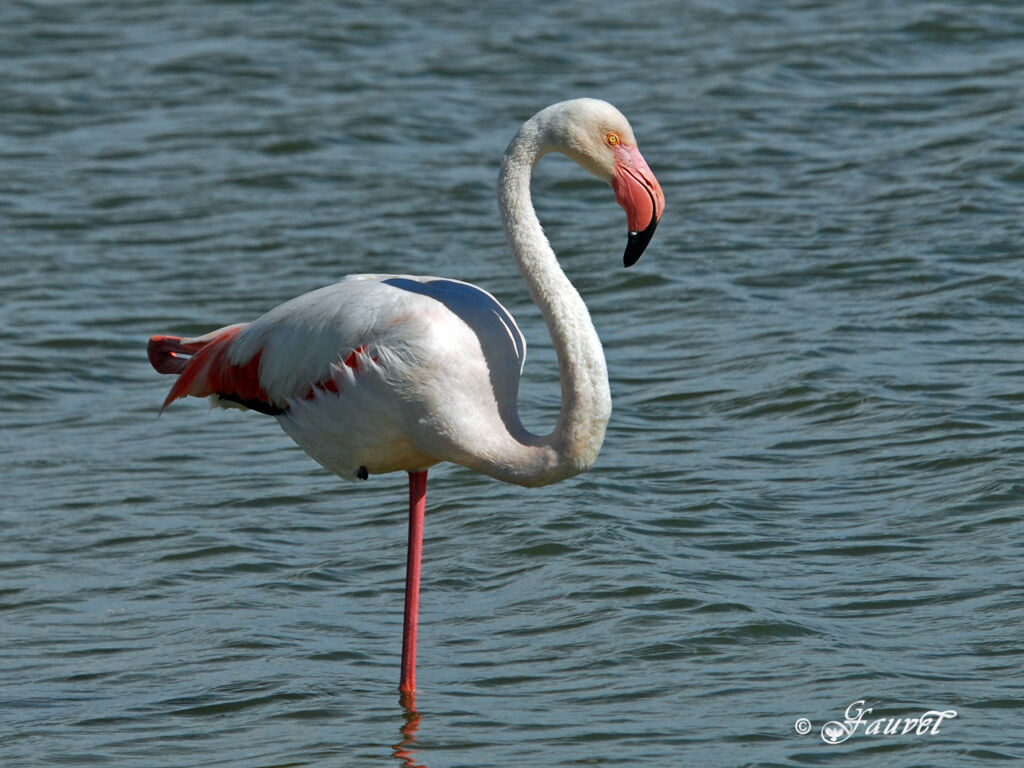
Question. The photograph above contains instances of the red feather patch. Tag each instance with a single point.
(210, 372)
(352, 361)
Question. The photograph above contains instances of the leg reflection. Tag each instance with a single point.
(403, 750)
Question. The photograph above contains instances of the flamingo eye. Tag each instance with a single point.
(612, 139)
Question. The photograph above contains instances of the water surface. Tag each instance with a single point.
(811, 489)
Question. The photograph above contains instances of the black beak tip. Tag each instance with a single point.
(637, 243)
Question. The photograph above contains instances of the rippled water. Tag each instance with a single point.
(811, 491)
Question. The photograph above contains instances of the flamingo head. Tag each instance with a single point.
(598, 137)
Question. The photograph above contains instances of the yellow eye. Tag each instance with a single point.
(612, 139)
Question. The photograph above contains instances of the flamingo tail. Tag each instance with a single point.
(204, 368)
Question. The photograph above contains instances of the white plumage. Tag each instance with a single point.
(380, 373)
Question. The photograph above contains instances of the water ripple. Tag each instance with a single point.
(810, 490)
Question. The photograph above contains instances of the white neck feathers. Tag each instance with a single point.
(586, 400)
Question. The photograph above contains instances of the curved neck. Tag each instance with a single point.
(586, 400)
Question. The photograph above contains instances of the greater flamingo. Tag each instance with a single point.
(380, 373)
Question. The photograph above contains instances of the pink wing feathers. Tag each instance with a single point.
(205, 367)
(319, 343)
(294, 351)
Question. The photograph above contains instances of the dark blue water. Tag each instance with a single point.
(812, 488)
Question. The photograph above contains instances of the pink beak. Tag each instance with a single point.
(640, 195)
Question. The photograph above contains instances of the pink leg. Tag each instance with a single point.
(417, 508)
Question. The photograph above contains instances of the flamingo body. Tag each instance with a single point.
(374, 374)
(381, 373)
